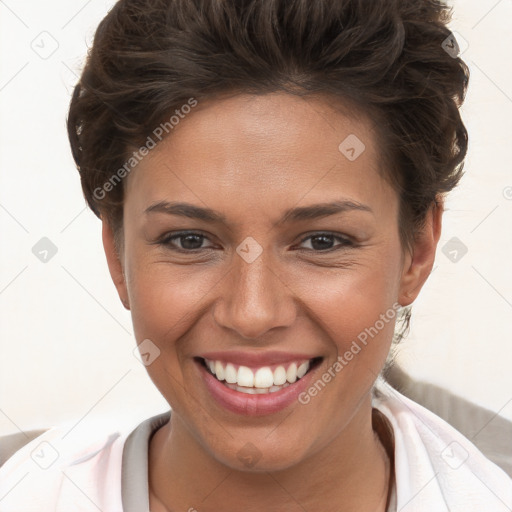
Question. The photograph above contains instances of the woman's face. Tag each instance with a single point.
(263, 281)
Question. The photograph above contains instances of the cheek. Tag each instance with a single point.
(355, 311)
(165, 300)
(165, 306)
(348, 300)
(357, 316)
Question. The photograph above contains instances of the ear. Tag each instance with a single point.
(419, 262)
(114, 262)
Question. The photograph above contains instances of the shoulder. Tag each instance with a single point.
(435, 464)
(64, 469)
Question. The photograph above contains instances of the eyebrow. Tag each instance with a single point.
(297, 214)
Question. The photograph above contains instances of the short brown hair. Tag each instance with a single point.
(387, 57)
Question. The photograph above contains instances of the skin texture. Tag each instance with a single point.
(251, 158)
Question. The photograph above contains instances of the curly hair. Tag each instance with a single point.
(388, 58)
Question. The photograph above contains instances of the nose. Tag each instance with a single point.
(254, 299)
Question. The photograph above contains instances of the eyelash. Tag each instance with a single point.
(345, 242)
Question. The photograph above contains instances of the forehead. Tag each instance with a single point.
(258, 151)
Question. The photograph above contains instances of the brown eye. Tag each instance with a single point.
(323, 242)
(184, 242)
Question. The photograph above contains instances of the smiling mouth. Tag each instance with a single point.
(259, 380)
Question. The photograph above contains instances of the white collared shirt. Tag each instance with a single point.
(436, 468)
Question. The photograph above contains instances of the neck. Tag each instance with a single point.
(351, 471)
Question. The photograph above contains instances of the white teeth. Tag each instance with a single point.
(302, 369)
(279, 376)
(264, 378)
(291, 373)
(249, 391)
(219, 370)
(256, 391)
(230, 374)
(273, 389)
(245, 377)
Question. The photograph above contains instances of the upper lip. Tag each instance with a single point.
(267, 358)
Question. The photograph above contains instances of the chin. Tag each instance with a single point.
(252, 455)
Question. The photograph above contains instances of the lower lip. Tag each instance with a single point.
(254, 405)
